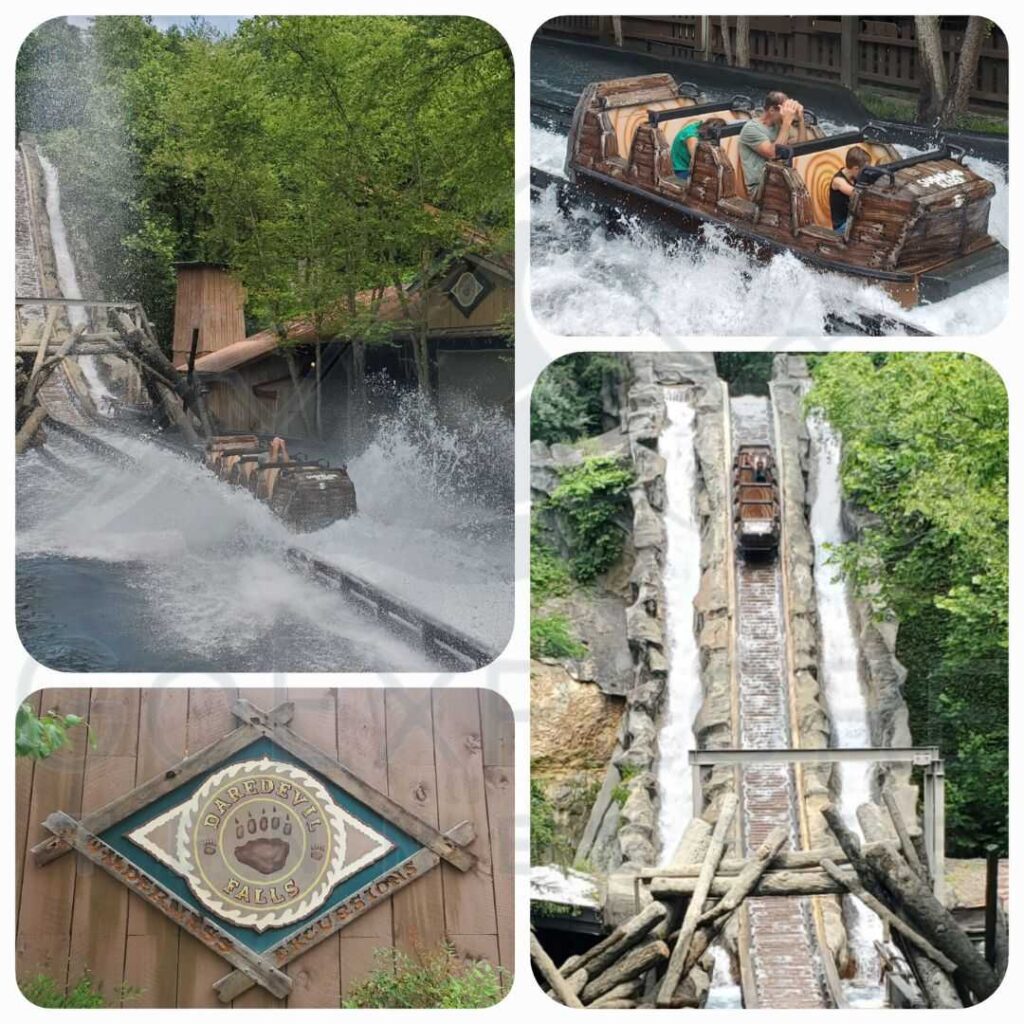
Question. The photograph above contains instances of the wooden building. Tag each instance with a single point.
(209, 307)
(305, 385)
(446, 756)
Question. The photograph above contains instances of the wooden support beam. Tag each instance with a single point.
(73, 834)
(347, 780)
(712, 858)
(808, 882)
(28, 429)
(637, 961)
(911, 894)
(854, 888)
(548, 971)
(906, 843)
(602, 955)
(783, 860)
(111, 813)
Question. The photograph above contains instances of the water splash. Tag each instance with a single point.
(844, 693)
(725, 992)
(204, 562)
(681, 583)
(586, 281)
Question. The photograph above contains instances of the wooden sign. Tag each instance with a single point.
(260, 846)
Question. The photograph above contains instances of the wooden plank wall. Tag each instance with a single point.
(886, 48)
(446, 754)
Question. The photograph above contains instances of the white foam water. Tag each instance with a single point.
(208, 559)
(587, 281)
(724, 992)
(681, 583)
(67, 280)
(843, 689)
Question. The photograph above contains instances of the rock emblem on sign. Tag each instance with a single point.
(261, 843)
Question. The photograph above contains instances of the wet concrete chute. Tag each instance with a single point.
(132, 555)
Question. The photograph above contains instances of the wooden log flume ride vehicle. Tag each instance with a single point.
(756, 516)
(307, 495)
(918, 227)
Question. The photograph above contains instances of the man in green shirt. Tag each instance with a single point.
(780, 124)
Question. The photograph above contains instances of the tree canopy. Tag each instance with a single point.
(321, 158)
(925, 454)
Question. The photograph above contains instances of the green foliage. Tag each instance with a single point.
(594, 497)
(567, 400)
(430, 980)
(321, 158)
(549, 574)
(925, 449)
(39, 736)
(83, 995)
(551, 637)
(897, 108)
(542, 824)
(747, 373)
(627, 771)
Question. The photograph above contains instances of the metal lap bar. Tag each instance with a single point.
(657, 116)
(788, 153)
(725, 130)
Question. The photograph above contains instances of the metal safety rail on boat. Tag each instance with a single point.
(440, 640)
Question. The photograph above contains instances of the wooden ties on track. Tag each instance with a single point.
(784, 957)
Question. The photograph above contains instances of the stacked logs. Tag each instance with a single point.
(129, 336)
(659, 955)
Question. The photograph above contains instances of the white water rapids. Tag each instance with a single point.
(586, 281)
(202, 563)
(67, 280)
(681, 583)
(683, 697)
(844, 694)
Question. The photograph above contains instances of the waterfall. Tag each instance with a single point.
(681, 583)
(67, 280)
(843, 690)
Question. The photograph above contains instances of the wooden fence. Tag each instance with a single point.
(855, 52)
(447, 755)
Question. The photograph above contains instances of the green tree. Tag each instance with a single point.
(925, 452)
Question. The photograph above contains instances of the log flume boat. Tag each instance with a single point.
(307, 495)
(757, 522)
(918, 226)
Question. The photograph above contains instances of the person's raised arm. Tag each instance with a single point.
(767, 147)
(841, 184)
(799, 124)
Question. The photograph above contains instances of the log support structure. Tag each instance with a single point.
(928, 758)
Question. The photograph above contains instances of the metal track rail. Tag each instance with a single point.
(448, 645)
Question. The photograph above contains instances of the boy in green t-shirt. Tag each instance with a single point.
(684, 146)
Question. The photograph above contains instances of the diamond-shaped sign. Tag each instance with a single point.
(467, 287)
(260, 846)
(261, 843)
